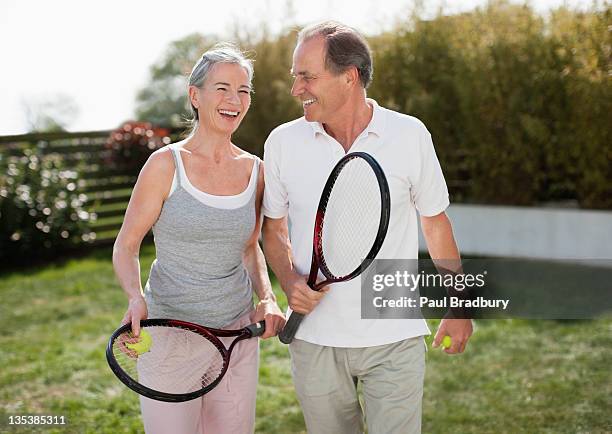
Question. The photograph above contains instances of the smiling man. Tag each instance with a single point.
(335, 348)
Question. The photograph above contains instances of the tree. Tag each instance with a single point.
(163, 101)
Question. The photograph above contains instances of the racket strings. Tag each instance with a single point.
(352, 218)
(178, 361)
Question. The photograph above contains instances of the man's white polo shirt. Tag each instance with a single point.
(299, 156)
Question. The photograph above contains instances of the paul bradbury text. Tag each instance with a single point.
(447, 302)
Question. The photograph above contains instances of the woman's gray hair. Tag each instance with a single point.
(220, 53)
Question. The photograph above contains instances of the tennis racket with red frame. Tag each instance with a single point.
(183, 360)
(350, 226)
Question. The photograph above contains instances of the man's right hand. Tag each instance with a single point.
(301, 297)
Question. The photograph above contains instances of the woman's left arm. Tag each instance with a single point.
(267, 309)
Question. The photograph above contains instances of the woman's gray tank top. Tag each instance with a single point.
(198, 274)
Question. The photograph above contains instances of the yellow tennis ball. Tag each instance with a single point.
(446, 342)
(143, 345)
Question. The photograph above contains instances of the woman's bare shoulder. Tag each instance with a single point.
(161, 160)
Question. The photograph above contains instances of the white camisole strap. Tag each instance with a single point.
(225, 202)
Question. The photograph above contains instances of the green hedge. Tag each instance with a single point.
(528, 100)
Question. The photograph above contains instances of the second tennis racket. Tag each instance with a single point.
(178, 360)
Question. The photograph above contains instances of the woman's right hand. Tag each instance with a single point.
(136, 311)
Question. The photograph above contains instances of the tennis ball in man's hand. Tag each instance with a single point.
(143, 345)
(446, 342)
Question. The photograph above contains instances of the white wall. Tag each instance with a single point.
(531, 232)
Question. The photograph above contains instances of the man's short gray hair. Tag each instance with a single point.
(220, 53)
(344, 47)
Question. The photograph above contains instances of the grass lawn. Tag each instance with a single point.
(517, 376)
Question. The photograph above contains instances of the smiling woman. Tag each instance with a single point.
(220, 82)
(202, 198)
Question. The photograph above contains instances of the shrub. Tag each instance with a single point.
(131, 144)
(41, 212)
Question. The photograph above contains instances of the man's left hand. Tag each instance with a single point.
(459, 331)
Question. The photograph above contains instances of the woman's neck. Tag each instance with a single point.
(209, 144)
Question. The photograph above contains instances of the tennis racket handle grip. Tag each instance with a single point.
(291, 327)
(257, 329)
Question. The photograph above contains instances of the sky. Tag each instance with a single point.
(97, 55)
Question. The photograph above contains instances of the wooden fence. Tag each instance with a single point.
(108, 190)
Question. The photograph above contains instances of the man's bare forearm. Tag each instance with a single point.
(438, 233)
(300, 296)
(277, 248)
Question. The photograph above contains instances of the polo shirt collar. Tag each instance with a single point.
(376, 125)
